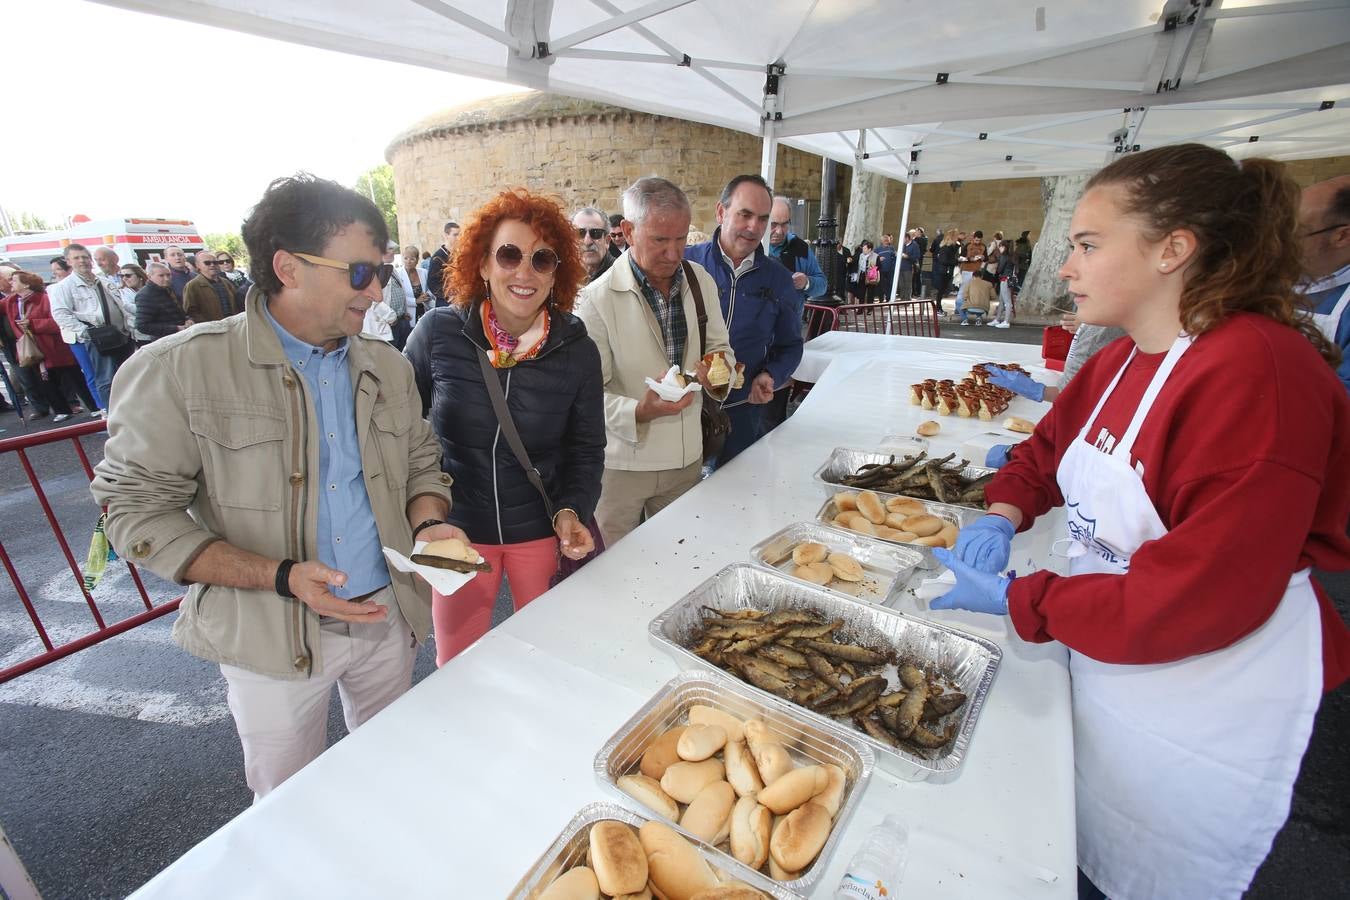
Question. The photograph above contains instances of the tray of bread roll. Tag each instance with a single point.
(844, 562)
(911, 690)
(606, 850)
(745, 773)
(900, 521)
(848, 469)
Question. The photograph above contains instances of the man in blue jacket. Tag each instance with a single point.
(761, 305)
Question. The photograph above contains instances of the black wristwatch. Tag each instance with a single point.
(427, 524)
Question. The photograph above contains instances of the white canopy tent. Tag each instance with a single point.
(962, 90)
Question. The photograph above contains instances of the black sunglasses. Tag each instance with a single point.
(1325, 230)
(209, 262)
(359, 274)
(544, 261)
(595, 233)
(127, 274)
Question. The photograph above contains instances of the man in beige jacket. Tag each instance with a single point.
(265, 462)
(641, 315)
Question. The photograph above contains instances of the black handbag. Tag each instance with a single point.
(713, 420)
(107, 338)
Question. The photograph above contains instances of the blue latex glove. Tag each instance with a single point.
(976, 591)
(984, 544)
(997, 457)
(1017, 383)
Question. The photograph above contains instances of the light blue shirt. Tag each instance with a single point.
(347, 537)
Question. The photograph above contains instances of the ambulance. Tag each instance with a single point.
(134, 240)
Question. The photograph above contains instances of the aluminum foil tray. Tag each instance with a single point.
(958, 515)
(844, 462)
(967, 661)
(806, 740)
(569, 851)
(887, 567)
(902, 444)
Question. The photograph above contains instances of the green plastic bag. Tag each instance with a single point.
(100, 554)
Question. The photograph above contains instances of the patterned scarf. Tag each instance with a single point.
(504, 345)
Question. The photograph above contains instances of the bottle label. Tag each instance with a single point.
(851, 886)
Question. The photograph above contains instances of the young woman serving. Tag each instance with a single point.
(1202, 463)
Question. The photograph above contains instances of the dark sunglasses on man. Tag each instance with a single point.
(544, 261)
(594, 233)
(359, 274)
(209, 262)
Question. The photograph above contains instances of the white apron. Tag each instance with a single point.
(1183, 770)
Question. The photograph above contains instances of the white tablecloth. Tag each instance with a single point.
(458, 787)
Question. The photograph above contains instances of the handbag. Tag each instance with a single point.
(873, 275)
(27, 350)
(713, 419)
(566, 566)
(107, 338)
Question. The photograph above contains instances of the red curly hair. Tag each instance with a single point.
(542, 213)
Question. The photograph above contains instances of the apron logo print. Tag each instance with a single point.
(1084, 531)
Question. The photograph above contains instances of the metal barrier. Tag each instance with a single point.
(19, 446)
(818, 319)
(915, 318)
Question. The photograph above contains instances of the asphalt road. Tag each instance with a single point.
(117, 760)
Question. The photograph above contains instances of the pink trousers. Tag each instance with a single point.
(466, 615)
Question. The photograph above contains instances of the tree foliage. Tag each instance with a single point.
(27, 221)
(231, 243)
(378, 185)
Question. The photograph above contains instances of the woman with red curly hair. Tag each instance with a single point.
(1201, 462)
(514, 279)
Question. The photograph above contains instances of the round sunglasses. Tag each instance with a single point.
(359, 274)
(544, 261)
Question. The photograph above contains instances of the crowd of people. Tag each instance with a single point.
(278, 439)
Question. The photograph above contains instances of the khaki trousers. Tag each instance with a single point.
(627, 497)
(283, 725)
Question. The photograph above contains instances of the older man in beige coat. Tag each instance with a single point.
(641, 315)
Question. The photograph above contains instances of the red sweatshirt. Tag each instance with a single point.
(1246, 456)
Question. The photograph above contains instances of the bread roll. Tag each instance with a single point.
(751, 826)
(862, 526)
(700, 714)
(661, 753)
(742, 772)
(676, 869)
(700, 742)
(928, 429)
(794, 788)
(619, 861)
(845, 567)
(778, 873)
(842, 519)
(923, 525)
(644, 894)
(1018, 424)
(800, 836)
(845, 501)
(647, 791)
(949, 533)
(833, 796)
(684, 780)
(773, 762)
(809, 552)
(905, 506)
(889, 533)
(731, 890)
(708, 817)
(870, 505)
(816, 573)
(933, 540)
(896, 520)
(574, 884)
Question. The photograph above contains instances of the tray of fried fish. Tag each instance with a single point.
(946, 479)
(912, 690)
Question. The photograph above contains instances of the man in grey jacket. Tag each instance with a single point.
(268, 459)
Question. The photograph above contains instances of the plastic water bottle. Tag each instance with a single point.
(876, 869)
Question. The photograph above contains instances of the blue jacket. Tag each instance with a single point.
(763, 311)
(797, 255)
(913, 254)
(886, 263)
(1324, 302)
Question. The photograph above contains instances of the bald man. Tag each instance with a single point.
(1324, 228)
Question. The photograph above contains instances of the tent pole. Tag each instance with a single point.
(900, 237)
(768, 160)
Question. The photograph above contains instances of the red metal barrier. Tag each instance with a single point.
(19, 446)
(915, 318)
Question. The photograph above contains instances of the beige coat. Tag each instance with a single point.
(219, 444)
(623, 327)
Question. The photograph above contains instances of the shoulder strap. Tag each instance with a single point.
(699, 309)
(508, 426)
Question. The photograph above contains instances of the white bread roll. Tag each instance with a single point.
(794, 788)
(661, 753)
(773, 762)
(676, 869)
(1019, 424)
(617, 856)
(928, 429)
(751, 827)
(905, 506)
(832, 797)
(778, 873)
(574, 884)
(647, 791)
(800, 836)
(845, 567)
(862, 526)
(708, 817)
(644, 894)
(742, 772)
(933, 540)
(870, 505)
(708, 715)
(845, 501)
(809, 552)
(949, 533)
(923, 525)
(684, 780)
(816, 573)
(700, 742)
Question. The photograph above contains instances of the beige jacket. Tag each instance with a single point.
(219, 444)
(623, 326)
